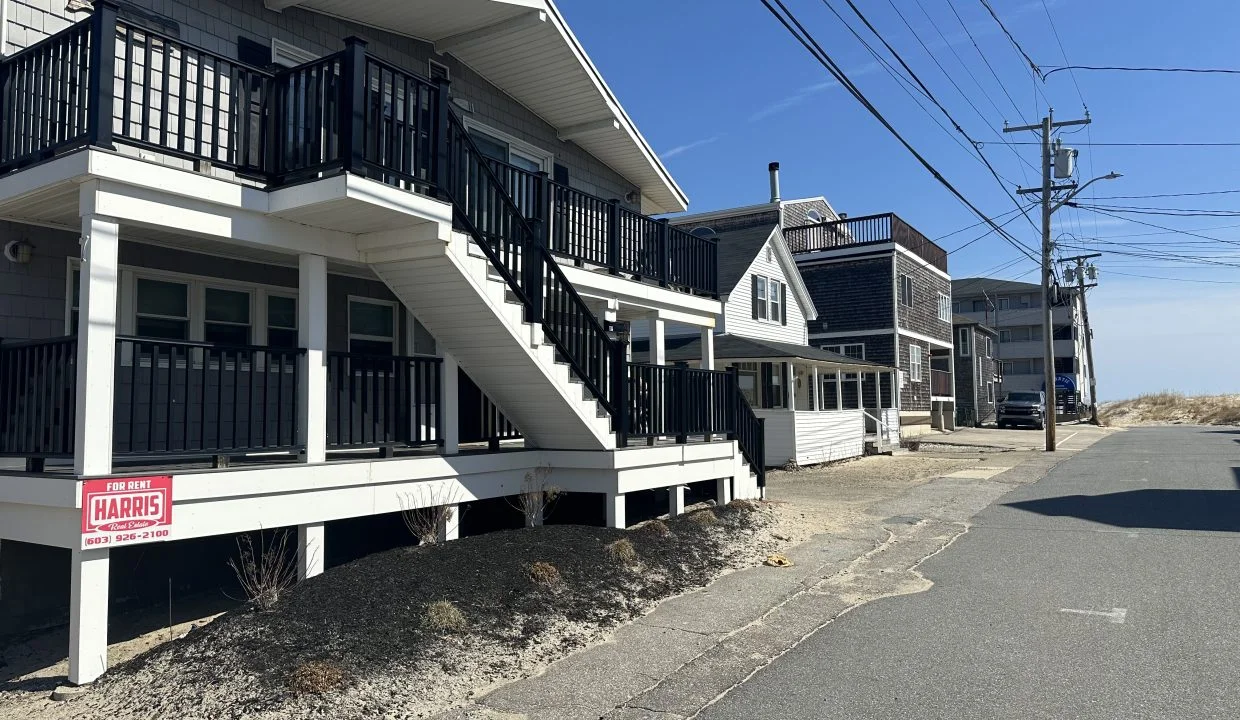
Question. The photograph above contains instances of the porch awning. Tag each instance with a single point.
(736, 348)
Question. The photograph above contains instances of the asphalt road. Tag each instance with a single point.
(1109, 589)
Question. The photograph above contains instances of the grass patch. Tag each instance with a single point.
(317, 677)
(544, 574)
(1173, 407)
(622, 551)
(443, 616)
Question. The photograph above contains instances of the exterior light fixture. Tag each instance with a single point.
(18, 252)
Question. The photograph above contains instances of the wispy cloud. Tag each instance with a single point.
(806, 93)
(680, 149)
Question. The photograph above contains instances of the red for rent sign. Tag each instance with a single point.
(123, 511)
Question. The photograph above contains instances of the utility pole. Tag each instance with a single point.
(1050, 149)
(1089, 333)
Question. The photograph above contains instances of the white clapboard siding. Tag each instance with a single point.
(738, 311)
(828, 436)
(780, 436)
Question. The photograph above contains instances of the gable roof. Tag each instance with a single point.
(739, 248)
(961, 321)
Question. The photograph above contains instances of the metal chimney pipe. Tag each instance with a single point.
(774, 170)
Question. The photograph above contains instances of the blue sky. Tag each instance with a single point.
(720, 89)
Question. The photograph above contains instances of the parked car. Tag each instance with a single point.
(1023, 408)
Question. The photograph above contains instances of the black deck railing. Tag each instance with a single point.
(105, 81)
(175, 398)
(38, 398)
(383, 401)
(674, 401)
(865, 230)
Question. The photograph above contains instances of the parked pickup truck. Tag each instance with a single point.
(1022, 408)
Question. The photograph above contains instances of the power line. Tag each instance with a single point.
(1066, 61)
(815, 49)
(1169, 212)
(982, 55)
(1166, 195)
(1115, 68)
(983, 222)
(1187, 280)
(1141, 144)
(1163, 227)
(951, 48)
(1033, 67)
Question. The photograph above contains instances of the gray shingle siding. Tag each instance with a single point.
(923, 316)
(915, 396)
(878, 348)
(33, 296)
(216, 24)
(974, 370)
(853, 295)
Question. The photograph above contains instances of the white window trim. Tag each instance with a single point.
(432, 63)
(966, 348)
(374, 338)
(770, 300)
(286, 54)
(839, 348)
(945, 307)
(127, 313)
(543, 157)
(915, 370)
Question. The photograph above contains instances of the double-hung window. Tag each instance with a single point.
(989, 349)
(945, 308)
(162, 309)
(906, 290)
(914, 363)
(372, 327)
(281, 321)
(769, 299)
(852, 350)
(226, 316)
(963, 342)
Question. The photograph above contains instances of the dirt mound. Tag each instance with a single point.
(366, 622)
(1172, 408)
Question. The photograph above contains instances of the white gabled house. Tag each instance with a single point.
(816, 406)
(278, 265)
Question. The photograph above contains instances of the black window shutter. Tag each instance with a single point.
(768, 382)
(783, 303)
(753, 295)
(560, 174)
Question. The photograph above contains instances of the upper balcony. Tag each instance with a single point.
(862, 231)
(107, 83)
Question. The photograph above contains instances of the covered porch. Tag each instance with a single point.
(817, 406)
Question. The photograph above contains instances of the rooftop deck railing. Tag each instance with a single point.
(871, 229)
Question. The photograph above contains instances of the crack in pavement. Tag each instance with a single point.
(839, 584)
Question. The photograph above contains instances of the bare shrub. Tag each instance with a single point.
(443, 616)
(536, 496)
(654, 528)
(317, 677)
(622, 551)
(429, 510)
(544, 574)
(265, 572)
(704, 517)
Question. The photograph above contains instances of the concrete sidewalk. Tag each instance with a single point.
(879, 518)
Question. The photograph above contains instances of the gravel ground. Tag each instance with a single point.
(364, 626)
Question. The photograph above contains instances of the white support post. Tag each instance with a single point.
(790, 387)
(88, 615)
(310, 550)
(723, 491)
(708, 348)
(658, 340)
(816, 394)
(611, 312)
(449, 408)
(96, 333)
(676, 500)
(839, 389)
(860, 394)
(615, 510)
(449, 527)
(312, 336)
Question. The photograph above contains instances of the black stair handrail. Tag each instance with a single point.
(749, 429)
(523, 262)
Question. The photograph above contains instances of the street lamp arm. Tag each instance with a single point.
(1074, 193)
